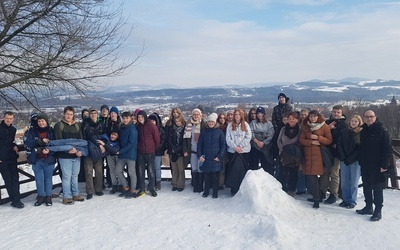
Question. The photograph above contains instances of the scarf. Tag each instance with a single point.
(189, 127)
(291, 132)
(315, 126)
(178, 131)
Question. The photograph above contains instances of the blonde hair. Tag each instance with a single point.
(359, 119)
(357, 129)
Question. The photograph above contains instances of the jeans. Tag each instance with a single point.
(43, 177)
(157, 166)
(146, 161)
(301, 182)
(131, 165)
(70, 169)
(349, 176)
(194, 163)
(68, 144)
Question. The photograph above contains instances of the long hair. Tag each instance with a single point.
(242, 121)
(249, 118)
(171, 116)
(222, 126)
(357, 129)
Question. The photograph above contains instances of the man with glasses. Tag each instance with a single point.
(374, 157)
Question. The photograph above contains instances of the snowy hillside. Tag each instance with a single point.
(260, 216)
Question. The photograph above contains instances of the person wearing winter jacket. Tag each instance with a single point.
(93, 162)
(279, 110)
(238, 137)
(127, 155)
(148, 142)
(262, 133)
(289, 134)
(314, 134)
(347, 144)
(176, 153)
(43, 161)
(374, 156)
(331, 177)
(8, 159)
(193, 128)
(222, 125)
(211, 149)
(156, 120)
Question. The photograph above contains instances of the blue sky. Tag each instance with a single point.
(210, 43)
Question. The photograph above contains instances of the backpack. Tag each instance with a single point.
(292, 155)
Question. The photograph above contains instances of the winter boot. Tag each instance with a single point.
(125, 191)
(39, 201)
(377, 214)
(158, 185)
(331, 199)
(49, 202)
(366, 210)
(201, 183)
(215, 184)
(316, 204)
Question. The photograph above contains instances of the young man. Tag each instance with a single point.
(331, 177)
(8, 159)
(69, 161)
(127, 155)
(148, 142)
(92, 127)
(374, 155)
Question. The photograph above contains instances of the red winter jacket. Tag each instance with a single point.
(148, 138)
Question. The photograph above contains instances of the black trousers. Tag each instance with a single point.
(9, 172)
(288, 178)
(211, 179)
(373, 189)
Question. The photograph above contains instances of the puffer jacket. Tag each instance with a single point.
(312, 153)
(148, 137)
(128, 142)
(211, 144)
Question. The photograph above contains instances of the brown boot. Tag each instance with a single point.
(39, 201)
(68, 201)
(78, 198)
(49, 202)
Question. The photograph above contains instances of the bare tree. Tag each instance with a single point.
(48, 46)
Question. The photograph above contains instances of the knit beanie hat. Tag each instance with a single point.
(153, 117)
(260, 110)
(197, 110)
(104, 107)
(115, 110)
(44, 117)
(282, 94)
(212, 117)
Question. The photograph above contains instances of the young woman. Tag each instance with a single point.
(314, 134)
(252, 115)
(262, 133)
(43, 161)
(289, 134)
(238, 136)
(176, 153)
(347, 145)
(222, 124)
(210, 150)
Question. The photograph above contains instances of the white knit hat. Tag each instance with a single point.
(212, 117)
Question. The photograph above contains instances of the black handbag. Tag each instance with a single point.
(327, 157)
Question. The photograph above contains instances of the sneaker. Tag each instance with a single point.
(377, 216)
(39, 201)
(68, 201)
(343, 204)
(48, 201)
(130, 194)
(89, 196)
(331, 199)
(17, 204)
(174, 188)
(125, 191)
(180, 189)
(350, 206)
(77, 198)
(153, 193)
(365, 210)
(140, 193)
(99, 193)
(113, 190)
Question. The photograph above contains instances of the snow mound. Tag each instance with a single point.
(261, 194)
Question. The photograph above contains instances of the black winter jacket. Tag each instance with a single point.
(346, 146)
(375, 148)
(32, 141)
(339, 126)
(7, 137)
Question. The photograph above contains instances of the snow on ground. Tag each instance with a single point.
(260, 216)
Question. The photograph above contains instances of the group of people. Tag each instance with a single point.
(301, 149)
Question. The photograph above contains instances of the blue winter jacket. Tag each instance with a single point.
(128, 142)
(32, 142)
(211, 144)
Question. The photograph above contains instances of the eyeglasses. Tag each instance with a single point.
(369, 116)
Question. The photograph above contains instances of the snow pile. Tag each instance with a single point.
(261, 194)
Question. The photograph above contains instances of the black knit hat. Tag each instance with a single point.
(104, 107)
(282, 94)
